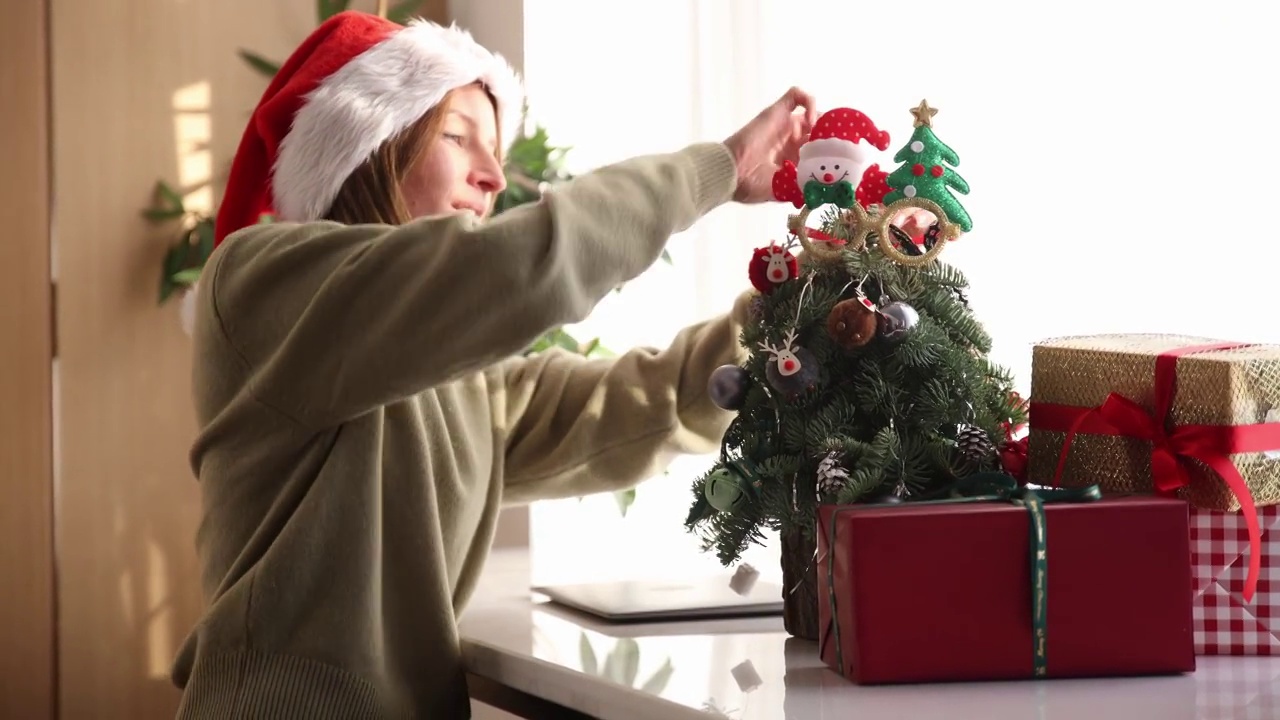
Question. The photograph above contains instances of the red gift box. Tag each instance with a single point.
(925, 592)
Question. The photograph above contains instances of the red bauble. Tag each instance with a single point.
(917, 169)
(1013, 458)
(771, 266)
(937, 170)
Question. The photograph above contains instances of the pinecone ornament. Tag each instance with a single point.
(976, 449)
(831, 476)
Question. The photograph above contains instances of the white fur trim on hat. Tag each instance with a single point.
(372, 98)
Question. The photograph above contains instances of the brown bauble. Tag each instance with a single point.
(851, 324)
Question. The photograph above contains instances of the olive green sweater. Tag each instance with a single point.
(364, 415)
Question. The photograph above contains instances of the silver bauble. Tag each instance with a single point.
(897, 321)
(728, 387)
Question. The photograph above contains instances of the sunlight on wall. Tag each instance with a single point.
(161, 645)
(193, 130)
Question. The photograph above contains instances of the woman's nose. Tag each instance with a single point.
(489, 177)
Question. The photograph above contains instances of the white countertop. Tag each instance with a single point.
(519, 640)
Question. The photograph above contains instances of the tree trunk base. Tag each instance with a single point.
(799, 585)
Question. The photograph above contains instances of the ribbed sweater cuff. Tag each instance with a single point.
(253, 685)
(717, 175)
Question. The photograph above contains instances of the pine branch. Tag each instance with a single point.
(956, 319)
(943, 275)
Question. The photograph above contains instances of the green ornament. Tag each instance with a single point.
(733, 486)
(817, 194)
(923, 173)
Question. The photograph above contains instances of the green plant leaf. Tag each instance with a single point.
(623, 662)
(587, 655)
(326, 9)
(204, 232)
(625, 499)
(186, 278)
(175, 259)
(162, 214)
(658, 681)
(561, 339)
(169, 198)
(259, 63)
(404, 12)
(166, 289)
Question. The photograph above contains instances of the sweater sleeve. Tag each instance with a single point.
(580, 426)
(332, 320)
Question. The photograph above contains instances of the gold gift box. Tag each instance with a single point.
(1237, 386)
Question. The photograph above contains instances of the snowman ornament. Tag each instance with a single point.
(833, 160)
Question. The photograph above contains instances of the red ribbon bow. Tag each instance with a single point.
(1210, 444)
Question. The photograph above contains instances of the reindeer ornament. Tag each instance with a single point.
(791, 370)
(773, 265)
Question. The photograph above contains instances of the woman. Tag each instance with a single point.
(363, 413)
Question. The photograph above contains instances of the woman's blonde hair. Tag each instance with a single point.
(372, 194)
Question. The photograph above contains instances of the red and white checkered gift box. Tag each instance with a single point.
(1224, 623)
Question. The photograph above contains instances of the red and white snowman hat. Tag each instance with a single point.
(838, 132)
(357, 81)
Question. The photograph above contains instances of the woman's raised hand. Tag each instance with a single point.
(772, 137)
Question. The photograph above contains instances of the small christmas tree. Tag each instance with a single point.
(868, 381)
(923, 173)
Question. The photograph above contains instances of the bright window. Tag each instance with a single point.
(1121, 158)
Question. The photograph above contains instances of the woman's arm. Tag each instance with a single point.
(331, 320)
(580, 426)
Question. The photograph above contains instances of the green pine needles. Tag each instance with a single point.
(890, 420)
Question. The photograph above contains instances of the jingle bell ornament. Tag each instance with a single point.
(732, 487)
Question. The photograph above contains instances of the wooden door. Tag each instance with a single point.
(27, 665)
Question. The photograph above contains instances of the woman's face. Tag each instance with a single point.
(460, 171)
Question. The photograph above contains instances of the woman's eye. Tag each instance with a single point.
(453, 138)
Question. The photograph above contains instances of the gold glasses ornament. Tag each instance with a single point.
(863, 225)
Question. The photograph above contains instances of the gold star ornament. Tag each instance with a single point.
(924, 114)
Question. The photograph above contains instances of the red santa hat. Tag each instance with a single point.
(357, 81)
(838, 132)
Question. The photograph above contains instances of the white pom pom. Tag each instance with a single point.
(917, 146)
(744, 578)
(909, 191)
(745, 675)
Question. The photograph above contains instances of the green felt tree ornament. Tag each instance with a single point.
(926, 170)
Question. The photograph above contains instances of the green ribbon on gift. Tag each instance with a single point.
(817, 194)
(990, 487)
